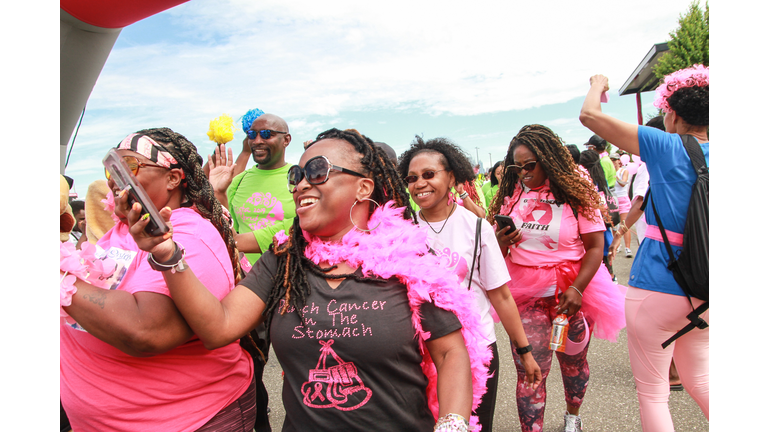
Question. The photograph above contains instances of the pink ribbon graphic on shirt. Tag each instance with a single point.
(333, 386)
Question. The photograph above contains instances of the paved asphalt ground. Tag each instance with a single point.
(609, 405)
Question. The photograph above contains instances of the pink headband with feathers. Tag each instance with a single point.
(696, 75)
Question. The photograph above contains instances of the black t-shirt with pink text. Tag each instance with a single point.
(354, 363)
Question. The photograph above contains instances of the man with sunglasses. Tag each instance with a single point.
(257, 198)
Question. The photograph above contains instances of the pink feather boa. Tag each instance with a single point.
(696, 75)
(398, 248)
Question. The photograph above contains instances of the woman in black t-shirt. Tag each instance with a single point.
(358, 312)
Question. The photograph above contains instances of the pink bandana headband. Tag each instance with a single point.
(696, 75)
(148, 148)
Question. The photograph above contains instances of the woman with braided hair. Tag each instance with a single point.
(431, 168)
(554, 258)
(128, 358)
(370, 332)
(656, 305)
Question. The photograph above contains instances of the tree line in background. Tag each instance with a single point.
(689, 43)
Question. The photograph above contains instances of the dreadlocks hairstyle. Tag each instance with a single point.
(566, 185)
(452, 157)
(291, 286)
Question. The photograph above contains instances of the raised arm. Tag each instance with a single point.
(619, 133)
(221, 172)
(242, 159)
(216, 323)
(468, 204)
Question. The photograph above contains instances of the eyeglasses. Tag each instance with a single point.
(426, 175)
(265, 133)
(133, 165)
(528, 167)
(316, 171)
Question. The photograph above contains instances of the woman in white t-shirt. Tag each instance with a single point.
(431, 168)
(621, 191)
(554, 257)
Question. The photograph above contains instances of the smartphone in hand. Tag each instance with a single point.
(125, 180)
(503, 221)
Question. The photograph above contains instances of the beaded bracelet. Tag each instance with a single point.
(452, 423)
(577, 290)
(464, 195)
(623, 228)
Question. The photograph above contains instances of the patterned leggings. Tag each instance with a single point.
(537, 320)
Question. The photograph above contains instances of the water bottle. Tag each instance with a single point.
(559, 333)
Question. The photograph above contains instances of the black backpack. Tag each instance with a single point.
(691, 266)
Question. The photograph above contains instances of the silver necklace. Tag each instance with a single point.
(444, 223)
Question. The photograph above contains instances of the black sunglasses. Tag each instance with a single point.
(316, 171)
(528, 167)
(265, 133)
(426, 175)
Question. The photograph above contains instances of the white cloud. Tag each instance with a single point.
(310, 59)
(306, 58)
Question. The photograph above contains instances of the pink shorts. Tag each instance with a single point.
(624, 204)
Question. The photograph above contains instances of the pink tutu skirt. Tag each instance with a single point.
(624, 204)
(603, 302)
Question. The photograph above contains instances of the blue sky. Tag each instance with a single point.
(474, 74)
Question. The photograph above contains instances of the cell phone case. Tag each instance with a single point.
(125, 180)
(503, 221)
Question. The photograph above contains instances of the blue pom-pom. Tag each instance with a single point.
(250, 117)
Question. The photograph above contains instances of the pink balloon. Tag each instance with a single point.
(632, 168)
(624, 159)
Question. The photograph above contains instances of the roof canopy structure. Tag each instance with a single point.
(643, 79)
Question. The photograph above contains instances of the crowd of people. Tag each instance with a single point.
(377, 280)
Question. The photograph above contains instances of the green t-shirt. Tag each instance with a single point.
(259, 202)
(490, 192)
(609, 169)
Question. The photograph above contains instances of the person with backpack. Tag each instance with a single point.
(659, 301)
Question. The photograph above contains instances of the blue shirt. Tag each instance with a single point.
(671, 178)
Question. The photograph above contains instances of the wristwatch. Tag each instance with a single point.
(175, 264)
(523, 350)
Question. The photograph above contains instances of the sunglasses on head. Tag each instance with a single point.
(265, 133)
(316, 171)
(133, 165)
(426, 175)
(528, 167)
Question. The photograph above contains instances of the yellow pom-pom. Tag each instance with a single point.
(222, 129)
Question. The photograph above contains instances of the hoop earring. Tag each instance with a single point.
(353, 222)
